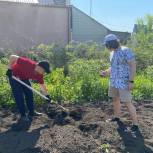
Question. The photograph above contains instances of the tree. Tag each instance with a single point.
(142, 42)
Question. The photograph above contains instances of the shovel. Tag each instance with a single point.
(37, 92)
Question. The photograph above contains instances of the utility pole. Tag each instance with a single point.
(90, 7)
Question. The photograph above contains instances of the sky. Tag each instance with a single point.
(118, 15)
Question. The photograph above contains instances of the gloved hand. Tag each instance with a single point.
(9, 73)
(49, 98)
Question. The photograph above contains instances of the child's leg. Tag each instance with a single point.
(114, 93)
(117, 107)
(29, 97)
(126, 97)
(18, 95)
(132, 111)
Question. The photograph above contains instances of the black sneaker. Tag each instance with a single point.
(115, 119)
(23, 119)
(134, 128)
(35, 113)
(122, 126)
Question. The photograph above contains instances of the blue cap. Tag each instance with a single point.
(110, 37)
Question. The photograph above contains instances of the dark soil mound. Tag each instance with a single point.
(81, 129)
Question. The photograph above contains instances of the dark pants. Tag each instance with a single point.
(22, 94)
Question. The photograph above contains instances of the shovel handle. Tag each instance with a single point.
(29, 87)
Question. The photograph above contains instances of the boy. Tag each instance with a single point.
(25, 69)
(122, 73)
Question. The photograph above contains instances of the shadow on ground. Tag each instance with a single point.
(133, 142)
(21, 140)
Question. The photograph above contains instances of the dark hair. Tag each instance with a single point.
(45, 65)
(113, 44)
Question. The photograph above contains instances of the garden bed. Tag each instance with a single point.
(83, 129)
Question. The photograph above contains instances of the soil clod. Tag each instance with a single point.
(85, 127)
(76, 114)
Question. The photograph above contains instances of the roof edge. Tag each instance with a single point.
(35, 4)
(90, 17)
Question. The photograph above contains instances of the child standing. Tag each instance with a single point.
(122, 73)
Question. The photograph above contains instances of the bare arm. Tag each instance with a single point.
(43, 89)
(108, 71)
(132, 66)
(13, 59)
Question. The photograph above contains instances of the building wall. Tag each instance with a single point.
(85, 28)
(123, 36)
(24, 25)
(62, 2)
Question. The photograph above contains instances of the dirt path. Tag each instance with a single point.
(83, 130)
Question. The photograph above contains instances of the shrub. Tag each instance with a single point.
(82, 68)
(6, 97)
(82, 84)
(75, 77)
(54, 53)
(93, 89)
(143, 89)
(2, 53)
(149, 72)
(89, 50)
(86, 72)
(142, 42)
(4, 60)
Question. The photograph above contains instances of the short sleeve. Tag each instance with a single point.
(130, 56)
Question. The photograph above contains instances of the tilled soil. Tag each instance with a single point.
(81, 129)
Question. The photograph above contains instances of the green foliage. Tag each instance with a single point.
(75, 77)
(2, 54)
(4, 60)
(149, 72)
(86, 72)
(143, 88)
(84, 50)
(55, 54)
(105, 147)
(145, 25)
(6, 97)
(93, 89)
(89, 50)
(55, 83)
(142, 42)
(81, 85)
(82, 68)
(60, 56)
